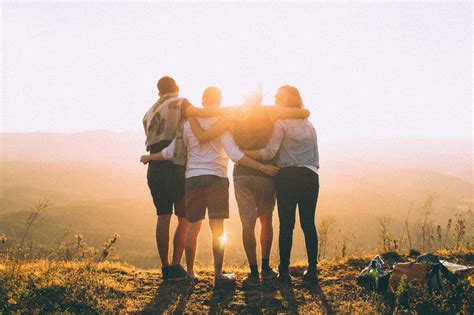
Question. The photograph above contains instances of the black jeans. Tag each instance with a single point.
(297, 186)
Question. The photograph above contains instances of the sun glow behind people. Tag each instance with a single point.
(363, 69)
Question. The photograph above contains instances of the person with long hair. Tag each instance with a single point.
(294, 147)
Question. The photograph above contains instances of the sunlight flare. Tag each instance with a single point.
(223, 239)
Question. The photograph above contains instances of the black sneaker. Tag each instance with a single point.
(176, 272)
(284, 277)
(310, 276)
(268, 274)
(165, 272)
(252, 280)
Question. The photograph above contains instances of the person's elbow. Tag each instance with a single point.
(236, 157)
(165, 155)
(306, 113)
(268, 154)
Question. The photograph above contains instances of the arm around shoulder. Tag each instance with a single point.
(279, 112)
(215, 131)
(189, 110)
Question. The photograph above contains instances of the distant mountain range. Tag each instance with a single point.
(123, 149)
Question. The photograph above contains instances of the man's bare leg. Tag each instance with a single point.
(179, 240)
(250, 243)
(162, 237)
(218, 246)
(190, 246)
(266, 236)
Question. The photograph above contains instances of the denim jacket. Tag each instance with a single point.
(296, 143)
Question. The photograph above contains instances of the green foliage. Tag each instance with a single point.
(54, 287)
(403, 293)
(411, 297)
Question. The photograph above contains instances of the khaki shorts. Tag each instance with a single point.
(255, 196)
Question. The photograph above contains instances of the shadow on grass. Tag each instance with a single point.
(318, 294)
(221, 299)
(170, 297)
(261, 298)
(264, 298)
(290, 304)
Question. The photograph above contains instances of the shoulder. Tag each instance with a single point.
(184, 103)
(281, 123)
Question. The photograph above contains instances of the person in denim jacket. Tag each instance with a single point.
(294, 146)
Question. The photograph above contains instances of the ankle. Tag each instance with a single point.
(254, 270)
(284, 269)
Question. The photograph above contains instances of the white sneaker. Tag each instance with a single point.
(225, 278)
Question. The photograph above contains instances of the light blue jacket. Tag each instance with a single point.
(296, 143)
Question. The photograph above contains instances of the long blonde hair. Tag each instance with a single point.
(297, 101)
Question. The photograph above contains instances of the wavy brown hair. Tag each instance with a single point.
(296, 100)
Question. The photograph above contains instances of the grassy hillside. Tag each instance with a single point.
(99, 200)
(47, 286)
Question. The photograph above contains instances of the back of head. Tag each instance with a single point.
(293, 97)
(211, 96)
(167, 85)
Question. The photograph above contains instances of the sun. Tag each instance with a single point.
(223, 239)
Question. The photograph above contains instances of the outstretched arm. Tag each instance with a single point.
(279, 112)
(152, 157)
(165, 154)
(216, 130)
(254, 154)
(268, 169)
(189, 110)
(272, 147)
(237, 156)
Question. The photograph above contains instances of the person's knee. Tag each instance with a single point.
(163, 219)
(183, 222)
(248, 226)
(287, 225)
(266, 221)
(217, 227)
(193, 229)
(308, 226)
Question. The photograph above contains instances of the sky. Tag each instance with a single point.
(365, 70)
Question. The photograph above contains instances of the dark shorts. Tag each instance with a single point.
(207, 191)
(166, 183)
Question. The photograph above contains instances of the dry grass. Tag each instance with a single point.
(78, 287)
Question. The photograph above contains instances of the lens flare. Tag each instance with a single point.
(223, 239)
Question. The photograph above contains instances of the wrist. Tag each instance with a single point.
(262, 168)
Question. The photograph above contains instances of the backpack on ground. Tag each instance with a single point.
(428, 271)
(412, 271)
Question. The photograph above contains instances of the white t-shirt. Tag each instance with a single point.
(207, 158)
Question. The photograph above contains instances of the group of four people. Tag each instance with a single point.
(275, 151)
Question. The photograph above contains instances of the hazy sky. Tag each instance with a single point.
(364, 69)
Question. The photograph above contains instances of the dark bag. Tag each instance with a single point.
(437, 273)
